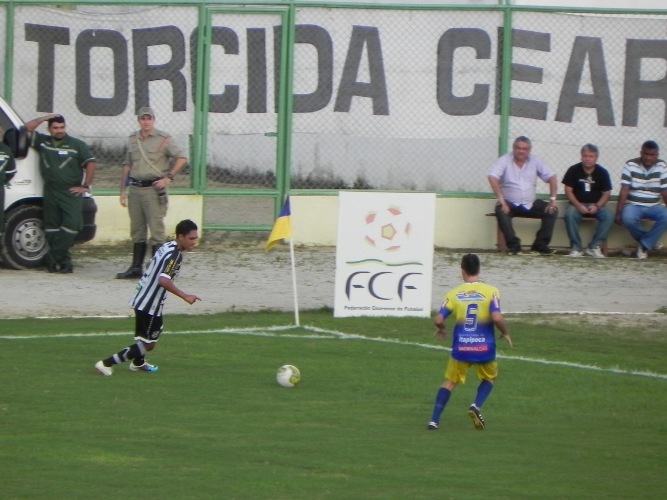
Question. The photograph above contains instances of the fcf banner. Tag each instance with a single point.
(384, 254)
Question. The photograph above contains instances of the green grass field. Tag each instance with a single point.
(578, 411)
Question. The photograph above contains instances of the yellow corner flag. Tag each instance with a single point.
(282, 228)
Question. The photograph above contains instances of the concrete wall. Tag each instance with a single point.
(460, 223)
(113, 222)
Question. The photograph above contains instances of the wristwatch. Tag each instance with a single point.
(170, 176)
(553, 198)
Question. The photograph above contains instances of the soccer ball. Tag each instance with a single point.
(288, 375)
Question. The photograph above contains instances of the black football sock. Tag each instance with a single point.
(132, 352)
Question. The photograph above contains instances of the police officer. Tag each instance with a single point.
(68, 168)
(7, 171)
(153, 159)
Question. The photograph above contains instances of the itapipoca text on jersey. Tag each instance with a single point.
(149, 296)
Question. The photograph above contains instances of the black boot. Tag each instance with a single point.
(136, 270)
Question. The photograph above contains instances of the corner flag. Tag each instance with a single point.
(282, 228)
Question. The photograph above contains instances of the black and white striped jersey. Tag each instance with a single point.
(149, 296)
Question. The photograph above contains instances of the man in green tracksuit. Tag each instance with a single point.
(68, 167)
(7, 171)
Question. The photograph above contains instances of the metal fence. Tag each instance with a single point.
(302, 97)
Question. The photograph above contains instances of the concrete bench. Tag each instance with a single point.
(501, 244)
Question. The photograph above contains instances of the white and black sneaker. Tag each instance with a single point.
(542, 250)
(432, 426)
(146, 367)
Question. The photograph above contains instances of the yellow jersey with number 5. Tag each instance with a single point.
(471, 304)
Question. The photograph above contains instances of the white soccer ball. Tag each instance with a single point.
(288, 375)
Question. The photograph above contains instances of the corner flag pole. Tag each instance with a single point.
(296, 298)
(282, 230)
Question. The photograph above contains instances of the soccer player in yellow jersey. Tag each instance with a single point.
(476, 308)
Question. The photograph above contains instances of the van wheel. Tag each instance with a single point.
(24, 242)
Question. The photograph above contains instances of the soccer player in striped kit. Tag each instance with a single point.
(149, 297)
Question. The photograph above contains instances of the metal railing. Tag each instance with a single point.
(306, 97)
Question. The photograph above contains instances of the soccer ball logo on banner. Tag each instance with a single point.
(387, 229)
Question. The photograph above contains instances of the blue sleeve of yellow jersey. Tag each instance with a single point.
(445, 310)
(494, 305)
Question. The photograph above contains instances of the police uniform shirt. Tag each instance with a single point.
(158, 147)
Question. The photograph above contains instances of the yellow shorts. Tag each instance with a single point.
(456, 370)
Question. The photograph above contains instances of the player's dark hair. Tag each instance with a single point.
(56, 119)
(185, 226)
(470, 264)
(650, 145)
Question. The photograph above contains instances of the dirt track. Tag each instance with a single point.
(243, 277)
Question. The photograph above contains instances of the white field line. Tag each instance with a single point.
(258, 332)
(582, 313)
(322, 334)
(507, 313)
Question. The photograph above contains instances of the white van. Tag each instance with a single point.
(24, 242)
